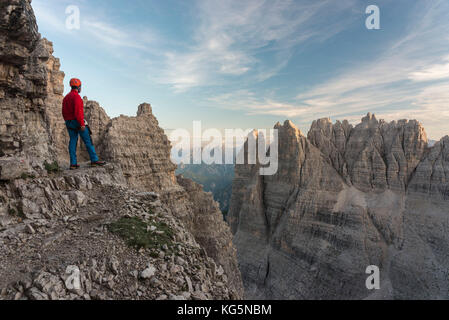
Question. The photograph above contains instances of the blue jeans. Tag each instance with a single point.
(73, 129)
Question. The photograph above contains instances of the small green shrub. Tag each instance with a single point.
(134, 232)
(52, 167)
(19, 213)
(26, 175)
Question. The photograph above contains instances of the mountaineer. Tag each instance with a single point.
(73, 113)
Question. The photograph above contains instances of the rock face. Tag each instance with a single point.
(41, 204)
(378, 155)
(137, 143)
(210, 230)
(345, 198)
(142, 150)
(30, 92)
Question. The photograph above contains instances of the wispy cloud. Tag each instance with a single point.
(249, 41)
(46, 14)
(433, 72)
(240, 44)
(231, 35)
(410, 80)
(252, 104)
(111, 35)
(93, 29)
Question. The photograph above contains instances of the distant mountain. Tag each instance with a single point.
(215, 178)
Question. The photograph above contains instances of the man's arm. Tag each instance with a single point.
(79, 111)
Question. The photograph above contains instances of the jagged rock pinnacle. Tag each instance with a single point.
(144, 108)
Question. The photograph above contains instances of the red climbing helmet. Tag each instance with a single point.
(75, 82)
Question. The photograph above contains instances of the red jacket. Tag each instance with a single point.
(73, 107)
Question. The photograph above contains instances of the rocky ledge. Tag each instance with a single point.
(119, 243)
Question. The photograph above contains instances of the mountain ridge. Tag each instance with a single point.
(345, 198)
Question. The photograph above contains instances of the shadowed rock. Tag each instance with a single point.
(345, 198)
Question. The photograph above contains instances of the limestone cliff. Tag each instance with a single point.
(52, 218)
(30, 91)
(345, 198)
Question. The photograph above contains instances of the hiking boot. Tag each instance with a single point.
(98, 163)
(74, 166)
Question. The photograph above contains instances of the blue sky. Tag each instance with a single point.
(248, 64)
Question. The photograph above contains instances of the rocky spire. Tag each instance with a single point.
(144, 109)
(344, 198)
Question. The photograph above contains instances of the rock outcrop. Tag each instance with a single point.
(30, 91)
(73, 213)
(345, 198)
(142, 150)
(66, 225)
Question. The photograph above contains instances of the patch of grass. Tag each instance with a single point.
(19, 213)
(26, 175)
(134, 232)
(52, 167)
